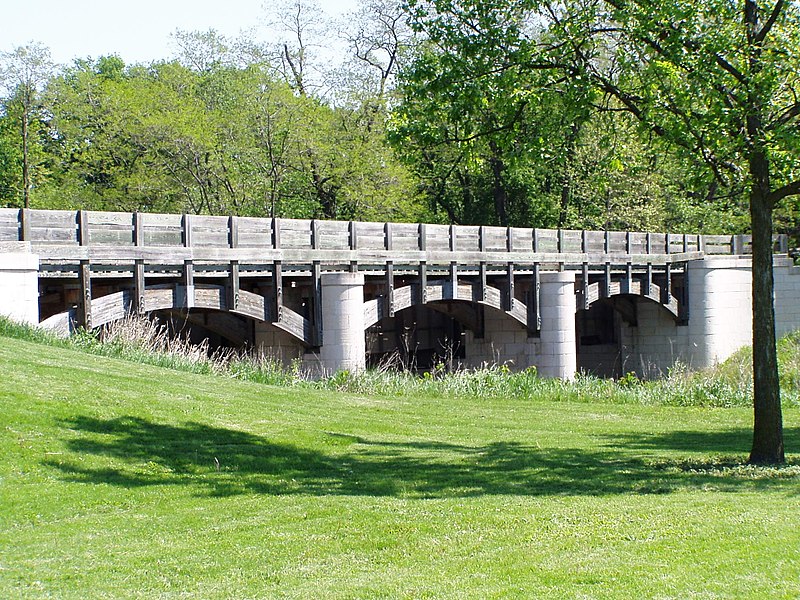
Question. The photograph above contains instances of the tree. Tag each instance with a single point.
(716, 79)
(23, 72)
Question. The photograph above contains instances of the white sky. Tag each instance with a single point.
(138, 31)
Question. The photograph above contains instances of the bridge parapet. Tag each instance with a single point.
(113, 237)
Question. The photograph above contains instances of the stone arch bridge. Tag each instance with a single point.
(339, 293)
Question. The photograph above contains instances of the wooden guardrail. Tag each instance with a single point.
(168, 233)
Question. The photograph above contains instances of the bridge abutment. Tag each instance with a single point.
(343, 343)
(19, 282)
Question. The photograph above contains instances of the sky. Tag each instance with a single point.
(138, 31)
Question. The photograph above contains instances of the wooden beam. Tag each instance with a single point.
(390, 289)
(188, 283)
(423, 282)
(585, 280)
(666, 291)
(188, 272)
(277, 289)
(139, 287)
(683, 307)
(454, 280)
(233, 285)
(423, 237)
(482, 282)
(316, 304)
(85, 303)
(648, 286)
(534, 316)
(510, 291)
(628, 278)
(607, 280)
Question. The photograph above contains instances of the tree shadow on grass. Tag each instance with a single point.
(133, 452)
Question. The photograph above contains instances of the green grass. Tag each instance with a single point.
(124, 480)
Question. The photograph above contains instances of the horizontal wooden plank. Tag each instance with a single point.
(9, 225)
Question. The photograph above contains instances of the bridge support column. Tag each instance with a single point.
(720, 308)
(343, 344)
(19, 282)
(557, 304)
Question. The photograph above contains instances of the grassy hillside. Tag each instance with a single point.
(124, 480)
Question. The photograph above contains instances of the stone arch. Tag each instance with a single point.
(113, 307)
(634, 288)
(441, 292)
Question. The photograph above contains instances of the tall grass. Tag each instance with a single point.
(145, 341)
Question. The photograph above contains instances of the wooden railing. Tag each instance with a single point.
(114, 233)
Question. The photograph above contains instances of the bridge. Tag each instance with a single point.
(337, 293)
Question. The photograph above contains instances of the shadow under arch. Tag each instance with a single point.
(441, 292)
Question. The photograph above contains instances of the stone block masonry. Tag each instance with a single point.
(557, 351)
(19, 282)
(787, 296)
(343, 341)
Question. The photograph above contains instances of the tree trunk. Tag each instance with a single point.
(768, 421)
(26, 175)
(499, 194)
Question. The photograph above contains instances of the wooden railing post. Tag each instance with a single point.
(138, 229)
(276, 233)
(83, 228)
(25, 224)
(187, 230)
(353, 245)
(233, 231)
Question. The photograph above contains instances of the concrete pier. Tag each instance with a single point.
(343, 343)
(19, 282)
(558, 357)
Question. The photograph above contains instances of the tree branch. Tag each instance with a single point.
(790, 189)
(776, 12)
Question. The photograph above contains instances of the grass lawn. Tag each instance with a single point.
(121, 480)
